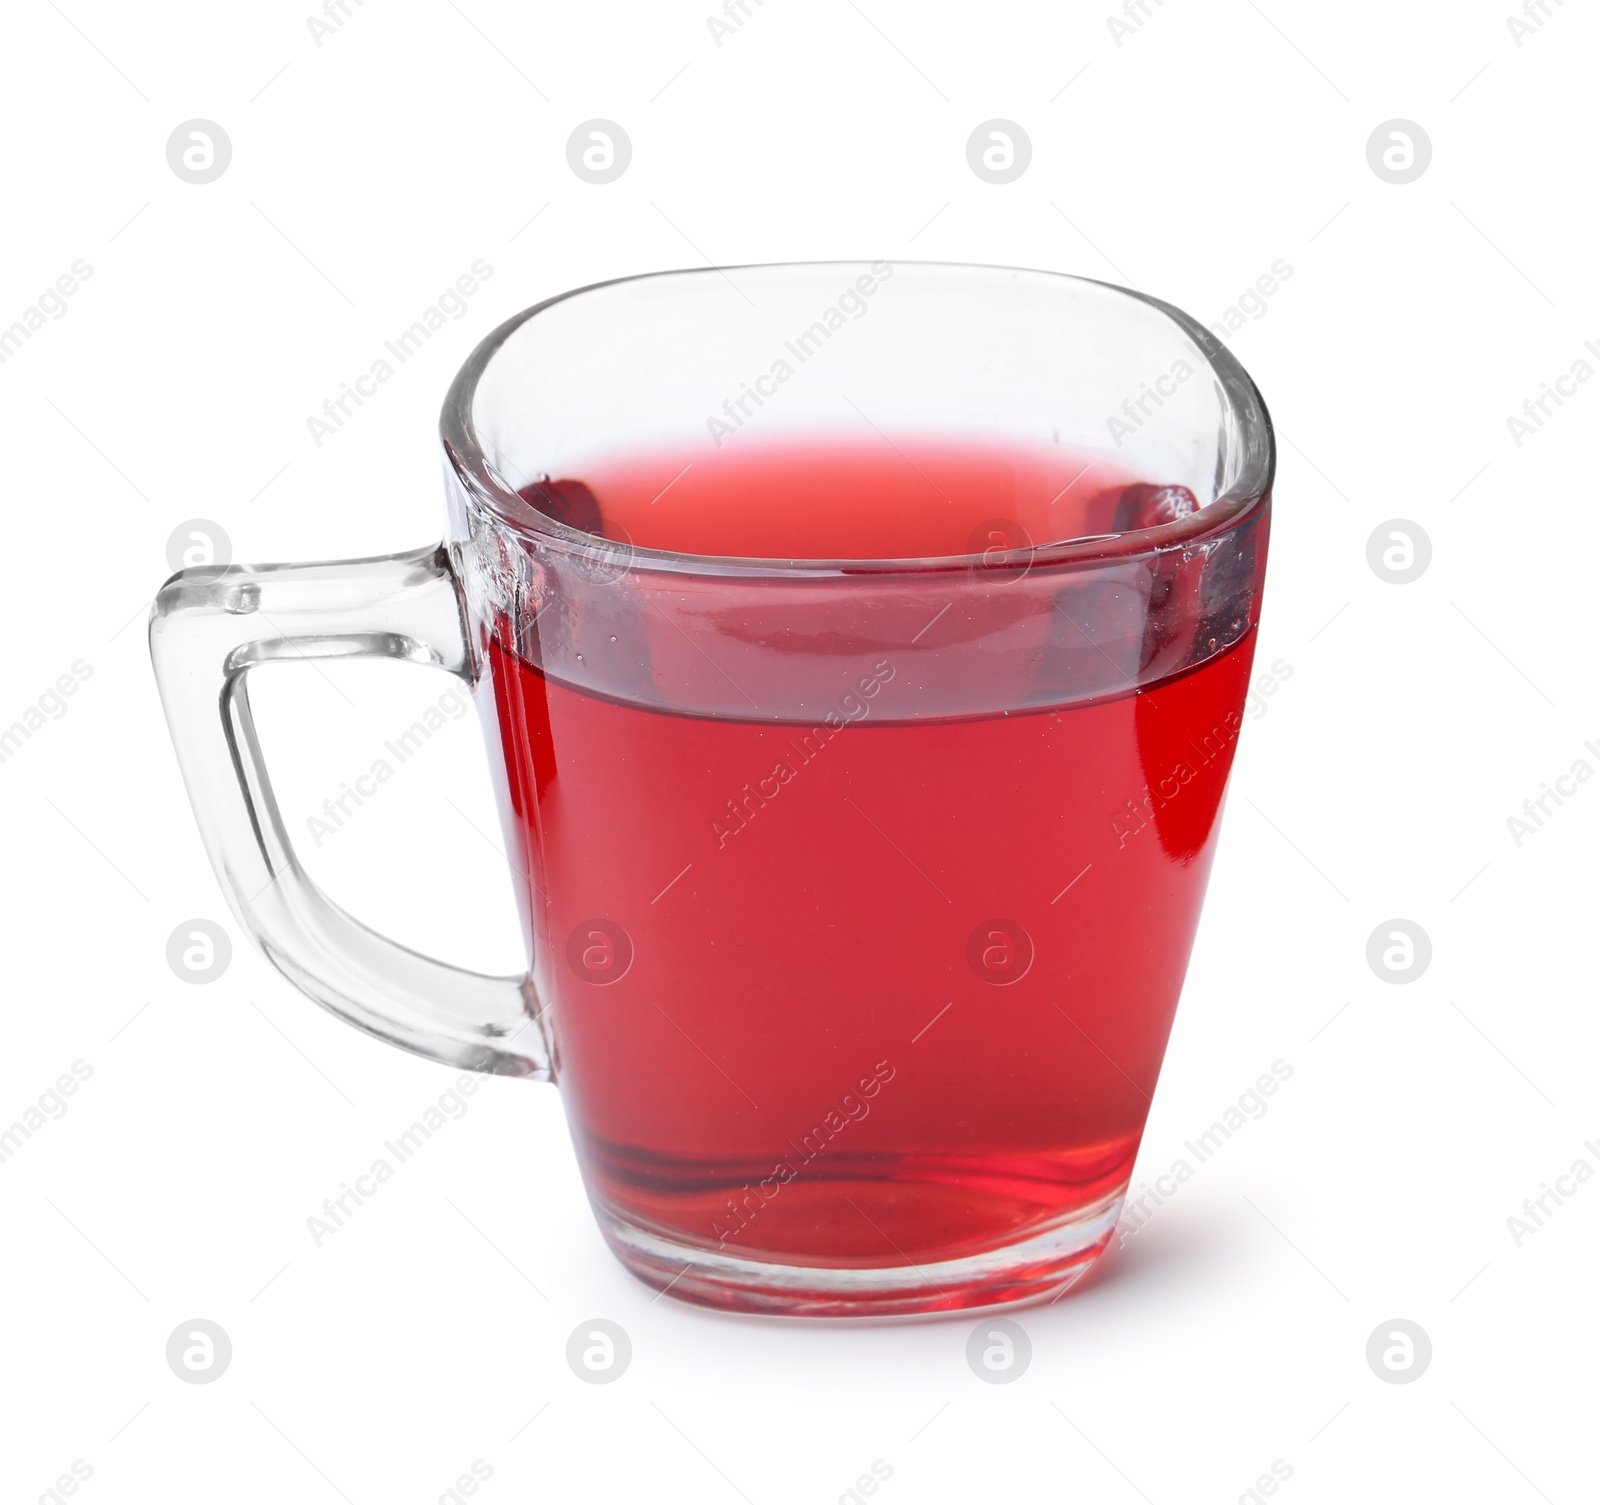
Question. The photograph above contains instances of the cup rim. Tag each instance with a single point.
(1250, 491)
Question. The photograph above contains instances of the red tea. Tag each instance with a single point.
(861, 988)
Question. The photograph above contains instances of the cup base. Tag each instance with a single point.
(1045, 1264)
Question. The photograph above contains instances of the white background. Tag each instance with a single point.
(368, 173)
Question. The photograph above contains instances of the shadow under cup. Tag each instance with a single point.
(868, 645)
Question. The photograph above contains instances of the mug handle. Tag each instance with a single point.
(208, 628)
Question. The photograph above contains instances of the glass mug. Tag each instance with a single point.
(861, 650)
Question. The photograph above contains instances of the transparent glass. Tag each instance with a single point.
(863, 648)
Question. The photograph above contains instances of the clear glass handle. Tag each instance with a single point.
(207, 629)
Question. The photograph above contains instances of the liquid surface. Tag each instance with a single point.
(870, 497)
(875, 993)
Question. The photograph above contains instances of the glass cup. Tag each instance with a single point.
(862, 650)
